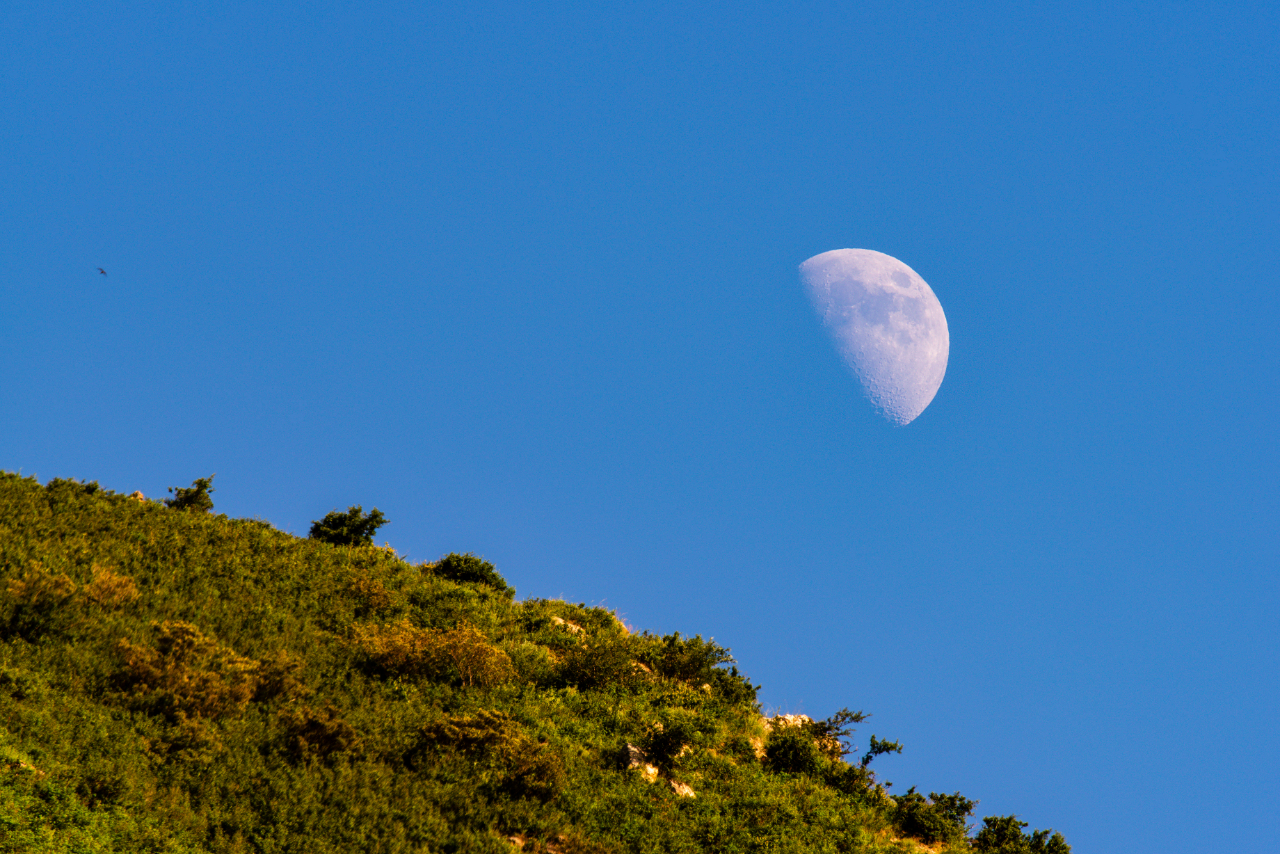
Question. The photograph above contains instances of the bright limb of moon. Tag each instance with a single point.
(886, 323)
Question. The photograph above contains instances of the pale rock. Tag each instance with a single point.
(682, 789)
(636, 759)
(572, 627)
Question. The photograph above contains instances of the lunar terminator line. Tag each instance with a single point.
(886, 323)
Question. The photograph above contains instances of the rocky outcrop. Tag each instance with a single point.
(682, 789)
(573, 628)
(637, 759)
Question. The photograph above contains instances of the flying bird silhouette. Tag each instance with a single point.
(102, 271)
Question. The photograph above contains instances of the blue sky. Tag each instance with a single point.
(524, 277)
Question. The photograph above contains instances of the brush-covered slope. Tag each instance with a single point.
(183, 682)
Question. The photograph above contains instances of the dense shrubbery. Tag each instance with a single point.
(194, 498)
(352, 528)
(470, 569)
(183, 682)
(940, 818)
(1004, 835)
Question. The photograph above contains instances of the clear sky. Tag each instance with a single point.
(523, 276)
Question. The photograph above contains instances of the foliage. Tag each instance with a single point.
(40, 601)
(469, 569)
(1004, 835)
(316, 733)
(194, 498)
(462, 653)
(352, 528)
(600, 662)
(514, 763)
(940, 818)
(879, 747)
(186, 674)
(185, 682)
(792, 750)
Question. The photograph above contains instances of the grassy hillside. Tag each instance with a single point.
(176, 681)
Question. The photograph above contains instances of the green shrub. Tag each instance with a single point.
(734, 687)
(194, 498)
(469, 569)
(792, 750)
(39, 602)
(352, 528)
(316, 734)
(599, 662)
(941, 818)
(186, 674)
(687, 659)
(675, 732)
(463, 653)
(506, 756)
(1003, 835)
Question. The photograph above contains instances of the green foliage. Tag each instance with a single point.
(352, 528)
(940, 818)
(194, 498)
(470, 569)
(185, 682)
(1004, 835)
(792, 750)
(599, 663)
(502, 755)
(879, 747)
(316, 733)
(834, 732)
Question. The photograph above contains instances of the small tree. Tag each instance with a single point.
(194, 498)
(879, 747)
(940, 818)
(1003, 835)
(470, 569)
(353, 528)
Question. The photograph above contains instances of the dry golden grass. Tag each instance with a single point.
(110, 590)
(404, 648)
(188, 673)
(40, 588)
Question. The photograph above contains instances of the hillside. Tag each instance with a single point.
(176, 681)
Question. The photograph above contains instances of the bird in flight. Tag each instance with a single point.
(102, 271)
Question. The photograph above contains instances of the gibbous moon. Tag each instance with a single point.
(886, 323)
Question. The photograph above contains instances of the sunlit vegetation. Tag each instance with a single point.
(172, 680)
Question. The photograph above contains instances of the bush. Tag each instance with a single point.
(676, 730)
(187, 673)
(194, 498)
(1003, 835)
(352, 528)
(470, 569)
(109, 590)
(463, 653)
(495, 742)
(734, 687)
(687, 659)
(315, 734)
(941, 818)
(791, 749)
(40, 600)
(604, 661)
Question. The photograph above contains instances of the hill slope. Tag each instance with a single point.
(183, 682)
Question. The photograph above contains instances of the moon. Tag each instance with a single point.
(886, 323)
